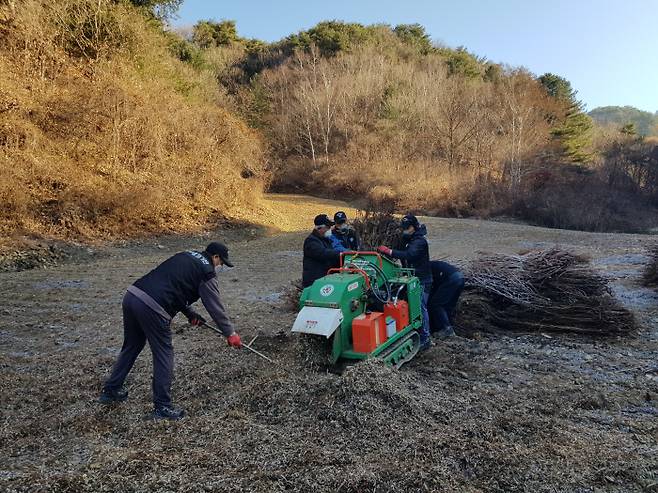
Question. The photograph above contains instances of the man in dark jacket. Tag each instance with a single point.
(344, 236)
(447, 286)
(148, 307)
(319, 255)
(415, 254)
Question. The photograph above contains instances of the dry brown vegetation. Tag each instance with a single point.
(381, 117)
(542, 290)
(111, 126)
(104, 133)
(384, 118)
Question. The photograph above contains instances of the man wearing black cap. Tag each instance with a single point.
(345, 238)
(319, 255)
(415, 254)
(148, 307)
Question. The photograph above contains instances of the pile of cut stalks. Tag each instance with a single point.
(377, 228)
(542, 290)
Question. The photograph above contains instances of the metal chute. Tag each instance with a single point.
(318, 321)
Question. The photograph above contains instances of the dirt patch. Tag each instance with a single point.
(273, 215)
(501, 413)
(30, 257)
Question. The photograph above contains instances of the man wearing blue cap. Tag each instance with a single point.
(415, 254)
(344, 237)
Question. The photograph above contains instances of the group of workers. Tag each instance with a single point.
(442, 282)
(152, 301)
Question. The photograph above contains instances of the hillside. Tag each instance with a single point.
(645, 122)
(380, 113)
(104, 133)
(112, 126)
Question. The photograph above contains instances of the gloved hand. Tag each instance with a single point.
(385, 250)
(195, 319)
(234, 340)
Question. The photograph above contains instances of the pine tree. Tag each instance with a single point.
(574, 130)
(414, 35)
(629, 129)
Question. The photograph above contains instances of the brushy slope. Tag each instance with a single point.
(104, 133)
(369, 111)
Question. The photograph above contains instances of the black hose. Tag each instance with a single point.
(375, 289)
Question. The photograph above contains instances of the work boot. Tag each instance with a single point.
(168, 412)
(424, 346)
(108, 396)
(446, 332)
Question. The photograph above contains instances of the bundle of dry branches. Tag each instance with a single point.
(546, 290)
(650, 277)
(377, 228)
(291, 295)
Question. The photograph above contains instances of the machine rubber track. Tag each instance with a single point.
(408, 353)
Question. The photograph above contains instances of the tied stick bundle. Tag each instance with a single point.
(291, 296)
(546, 290)
(377, 228)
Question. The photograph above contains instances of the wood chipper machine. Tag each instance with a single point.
(370, 306)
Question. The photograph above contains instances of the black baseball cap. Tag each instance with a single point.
(409, 220)
(323, 220)
(217, 248)
(340, 217)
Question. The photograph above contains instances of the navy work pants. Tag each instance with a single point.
(443, 301)
(425, 330)
(141, 323)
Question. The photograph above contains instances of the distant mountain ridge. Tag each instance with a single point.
(645, 122)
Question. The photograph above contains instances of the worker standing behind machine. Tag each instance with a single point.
(344, 237)
(447, 286)
(319, 254)
(415, 254)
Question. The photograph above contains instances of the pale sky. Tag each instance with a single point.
(608, 49)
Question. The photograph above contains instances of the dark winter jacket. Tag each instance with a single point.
(441, 271)
(415, 254)
(348, 239)
(180, 281)
(319, 257)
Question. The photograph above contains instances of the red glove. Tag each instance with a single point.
(385, 250)
(234, 340)
(196, 319)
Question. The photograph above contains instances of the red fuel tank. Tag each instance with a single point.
(368, 332)
(400, 312)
